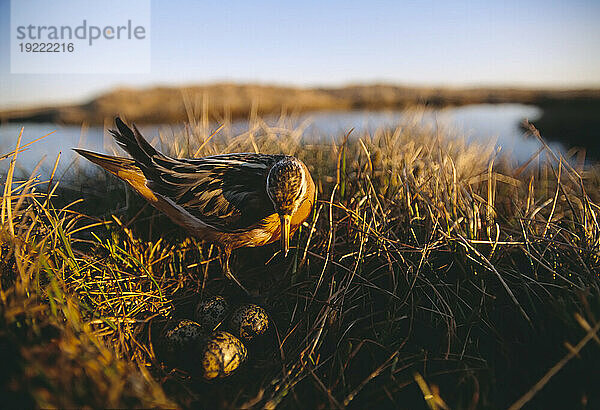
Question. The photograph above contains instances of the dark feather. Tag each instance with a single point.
(227, 192)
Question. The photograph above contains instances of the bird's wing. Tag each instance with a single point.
(226, 192)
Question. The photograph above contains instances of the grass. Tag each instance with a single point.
(433, 274)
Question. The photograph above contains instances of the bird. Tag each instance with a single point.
(233, 200)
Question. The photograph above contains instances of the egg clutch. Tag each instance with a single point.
(213, 343)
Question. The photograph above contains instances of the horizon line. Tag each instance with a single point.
(90, 96)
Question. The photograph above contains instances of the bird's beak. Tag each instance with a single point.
(285, 233)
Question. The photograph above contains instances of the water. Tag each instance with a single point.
(479, 123)
(499, 123)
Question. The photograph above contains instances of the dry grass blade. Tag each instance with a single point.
(22, 147)
(7, 196)
(591, 334)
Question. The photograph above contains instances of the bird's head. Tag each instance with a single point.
(286, 186)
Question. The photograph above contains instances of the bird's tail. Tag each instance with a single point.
(129, 171)
(124, 168)
(114, 165)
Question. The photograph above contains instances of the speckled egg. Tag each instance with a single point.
(222, 355)
(179, 342)
(211, 312)
(184, 333)
(249, 321)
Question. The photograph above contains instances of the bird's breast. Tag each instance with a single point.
(268, 230)
(305, 208)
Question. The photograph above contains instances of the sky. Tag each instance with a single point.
(527, 43)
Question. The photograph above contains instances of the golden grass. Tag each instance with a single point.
(431, 272)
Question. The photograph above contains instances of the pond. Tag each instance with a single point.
(478, 123)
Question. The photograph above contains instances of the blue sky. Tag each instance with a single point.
(451, 43)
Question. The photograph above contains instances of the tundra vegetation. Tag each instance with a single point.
(433, 273)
